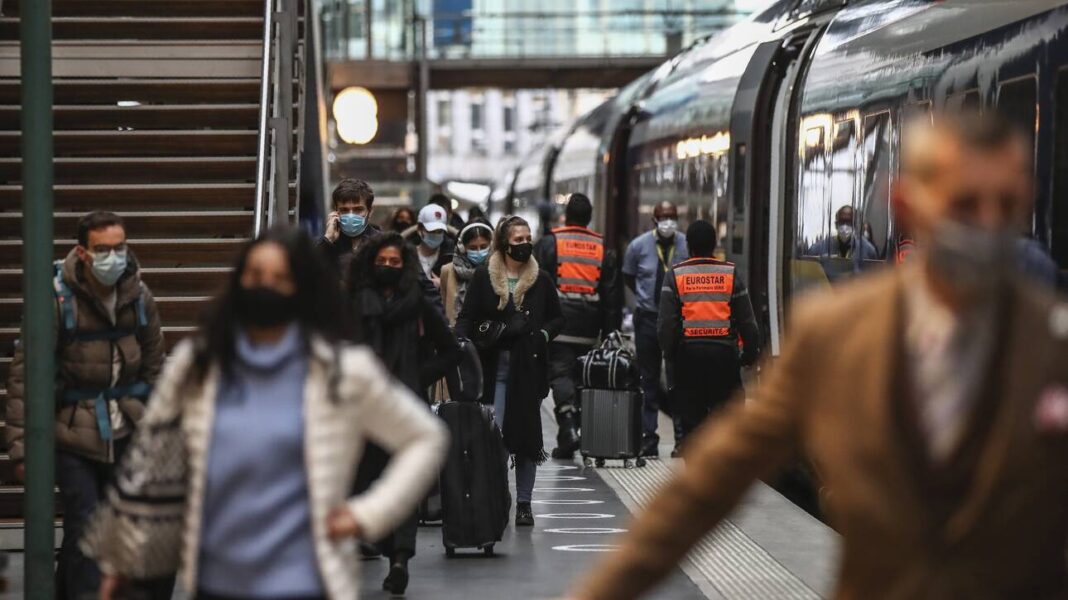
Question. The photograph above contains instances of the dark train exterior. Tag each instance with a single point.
(769, 128)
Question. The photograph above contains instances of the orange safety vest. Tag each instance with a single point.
(579, 254)
(705, 287)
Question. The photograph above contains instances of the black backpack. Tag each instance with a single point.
(465, 379)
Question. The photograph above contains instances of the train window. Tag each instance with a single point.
(738, 234)
(918, 111)
(843, 166)
(968, 100)
(1018, 101)
(813, 216)
(1059, 237)
(875, 198)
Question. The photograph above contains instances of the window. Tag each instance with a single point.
(476, 115)
(813, 214)
(875, 207)
(968, 100)
(843, 167)
(509, 117)
(443, 136)
(1060, 172)
(445, 113)
(1018, 101)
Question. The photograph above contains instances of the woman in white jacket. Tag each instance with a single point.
(273, 416)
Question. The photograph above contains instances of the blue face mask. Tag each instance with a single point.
(478, 256)
(433, 240)
(108, 267)
(353, 225)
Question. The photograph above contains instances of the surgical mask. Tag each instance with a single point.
(109, 266)
(666, 228)
(433, 240)
(971, 260)
(521, 252)
(387, 275)
(352, 224)
(845, 233)
(478, 256)
(265, 307)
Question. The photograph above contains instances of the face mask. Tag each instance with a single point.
(845, 233)
(972, 260)
(434, 240)
(264, 307)
(521, 252)
(109, 266)
(353, 225)
(399, 226)
(478, 256)
(666, 228)
(387, 275)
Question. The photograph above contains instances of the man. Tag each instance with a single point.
(933, 397)
(587, 282)
(435, 246)
(845, 241)
(109, 351)
(453, 220)
(647, 260)
(348, 227)
(705, 316)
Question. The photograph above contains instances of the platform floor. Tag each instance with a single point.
(767, 549)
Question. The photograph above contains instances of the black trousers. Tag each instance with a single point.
(401, 539)
(706, 376)
(562, 359)
(654, 398)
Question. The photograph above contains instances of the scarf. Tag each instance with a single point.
(391, 329)
(464, 270)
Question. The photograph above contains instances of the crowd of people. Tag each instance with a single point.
(293, 431)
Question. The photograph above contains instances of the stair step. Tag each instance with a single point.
(141, 143)
(151, 252)
(145, 8)
(173, 310)
(128, 197)
(163, 281)
(227, 117)
(145, 28)
(191, 224)
(141, 170)
(146, 91)
(172, 334)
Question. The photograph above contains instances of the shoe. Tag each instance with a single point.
(397, 580)
(369, 551)
(567, 438)
(524, 516)
(651, 447)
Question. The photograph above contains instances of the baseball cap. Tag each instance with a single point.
(432, 217)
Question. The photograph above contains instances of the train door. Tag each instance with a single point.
(620, 226)
(756, 165)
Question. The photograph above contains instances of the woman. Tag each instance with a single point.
(476, 240)
(394, 317)
(512, 293)
(274, 415)
(403, 218)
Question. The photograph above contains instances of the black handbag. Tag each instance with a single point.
(488, 333)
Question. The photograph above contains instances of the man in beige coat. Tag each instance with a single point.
(932, 398)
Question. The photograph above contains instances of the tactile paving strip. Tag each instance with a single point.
(729, 561)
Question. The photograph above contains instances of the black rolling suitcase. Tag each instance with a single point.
(612, 427)
(475, 501)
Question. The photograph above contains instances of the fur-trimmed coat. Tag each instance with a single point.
(532, 309)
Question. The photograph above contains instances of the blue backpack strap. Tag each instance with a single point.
(65, 299)
(139, 305)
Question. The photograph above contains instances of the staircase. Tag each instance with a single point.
(157, 116)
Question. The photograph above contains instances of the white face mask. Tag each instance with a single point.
(666, 228)
(109, 266)
(845, 233)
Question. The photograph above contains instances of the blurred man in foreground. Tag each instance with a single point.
(932, 397)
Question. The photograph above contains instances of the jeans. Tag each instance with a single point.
(81, 484)
(562, 358)
(654, 399)
(525, 469)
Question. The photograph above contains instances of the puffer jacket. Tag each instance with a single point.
(87, 364)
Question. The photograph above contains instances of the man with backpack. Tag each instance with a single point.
(109, 351)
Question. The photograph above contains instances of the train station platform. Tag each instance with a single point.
(767, 549)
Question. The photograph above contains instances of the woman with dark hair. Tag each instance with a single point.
(273, 415)
(393, 316)
(403, 218)
(511, 311)
(473, 251)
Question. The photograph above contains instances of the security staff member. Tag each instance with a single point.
(706, 327)
(587, 281)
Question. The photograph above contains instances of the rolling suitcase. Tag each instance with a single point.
(612, 427)
(475, 501)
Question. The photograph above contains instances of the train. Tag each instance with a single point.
(769, 128)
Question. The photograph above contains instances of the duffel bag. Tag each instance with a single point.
(465, 379)
(608, 369)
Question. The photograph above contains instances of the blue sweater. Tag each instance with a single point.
(257, 532)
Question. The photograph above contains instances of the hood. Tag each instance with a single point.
(128, 286)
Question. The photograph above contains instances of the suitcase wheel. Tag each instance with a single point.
(450, 552)
(587, 461)
(488, 550)
(599, 462)
(639, 462)
(628, 464)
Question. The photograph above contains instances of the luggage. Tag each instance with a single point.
(611, 427)
(475, 501)
(465, 380)
(610, 366)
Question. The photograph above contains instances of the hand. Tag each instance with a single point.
(110, 586)
(435, 280)
(20, 472)
(333, 226)
(341, 524)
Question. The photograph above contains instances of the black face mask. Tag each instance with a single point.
(264, 307)
(520, 252)
(400, 226)
(386, 275)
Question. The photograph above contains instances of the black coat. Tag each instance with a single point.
(527, 327)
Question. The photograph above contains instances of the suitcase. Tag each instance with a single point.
(465, 379)
(475, 501)
(611, 427)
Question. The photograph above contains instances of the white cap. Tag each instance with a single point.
(432, 217)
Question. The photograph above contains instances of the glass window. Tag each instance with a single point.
(509, 118)
(476, 115)
(1060, 172)
(843, 167)
(813, 216)
(1018, 101)
(968, 100)
(875, 207)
